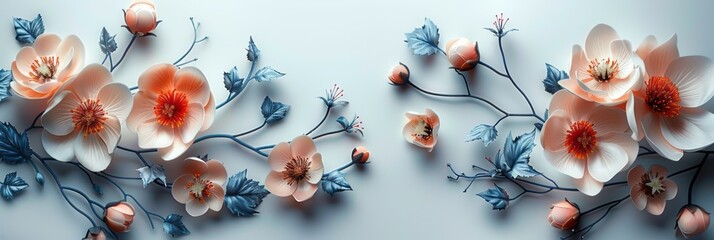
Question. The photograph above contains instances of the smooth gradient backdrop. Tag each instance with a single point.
(404, 192)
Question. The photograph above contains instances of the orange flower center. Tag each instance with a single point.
(44, 69)
(296, 170)
(171, 108)
(662, 96)
(651, 184)
(423, 131)
(603, 70)
(581, 139)
(89, 117)
(199, 188)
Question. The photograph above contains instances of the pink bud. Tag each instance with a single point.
(399, 74)
(462, 53)
(119, 216)
(692, 220)
(360, 154)
(140, 18)
(564, 215)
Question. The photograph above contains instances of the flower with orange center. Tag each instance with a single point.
(587, 141)
(201, 186)
(666, 110)
(171, 107)
(83, 120)
(422, 130)
(38, 71)
(296, 169)
(650, 190)
(604, 71)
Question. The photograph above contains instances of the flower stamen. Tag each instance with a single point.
(603, 70)
(199, 188)
(651, 184)
(44, 69)
(662, 96)
(423, 131)
(171, 108)
(581, 139)
(296, 170)
(89, 117)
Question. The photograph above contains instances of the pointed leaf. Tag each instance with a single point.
(107, 42)
(424, 40)
(5, 79)
(244, 195)
(27, 31)
(14, 147)
(150, 173)
(484, 133)
(12, 185)
(335, 182)
(516, 156)
(232, 81)
(266, 74)
(342, 120)
(174, 226)
(553, 75)
(273, 111)
(253, 51)
(496, 196)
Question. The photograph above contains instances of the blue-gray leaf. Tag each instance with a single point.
(424, 40)
(335, 182)
(14, 147)
(483, 132)
(150, 173)
(273, 111)
(244, 195)
(253, 51)
(107, 42)
(5, 79)
(267, 74)
(12, 185)
(516, 156)
(496, 196)
(342, 120)
(174, 226)
(27, 31)
(232, 81)
(553, 75)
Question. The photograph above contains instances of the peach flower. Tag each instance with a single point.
(296, 169)
(587, 141)
(692, 220)
(422, 130)
(171, 107)
(666, 109)
(605, 71)
(40, 70)
(651, 189)
(399, 75)
(119, 216)
(462, 53)
(84, 118)
(140, 18)
(360, 154)
(564, 215)
(201, 186)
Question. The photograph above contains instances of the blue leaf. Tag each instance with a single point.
(266, 74)
(253, 51)
(174, 226)
(335, 182)
(342, 120)
(12, 185)
(5, 79)
(40, 178)
(243, 195)
(496, 196)
(424, 40)
(552, 77)
(232, 81)
(107, 42)
(515, 160)
(27, 31)
(14, 147)
(484, 133)
(150, 173)
(273, 111)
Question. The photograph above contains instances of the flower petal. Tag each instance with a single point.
(646, 47)
(216, 172)
(608, 159)
(661, 56)
(90, 80)
(316, 169)
(588, 185)
(638, 197)
(693, 77)
(691, 130)
(57, 119)
(304, 191)
(597, 43)
(608, 119)
(280, 156)
(209, 112)
(157, 79)
(636, 110)
(655, 205)
(565, 163)
(432, 118)
(116, 100)
(302, 146)
(71, 55)
(215, 202)
(111, 133)
(554, 131)
(179, 189)
(154, 135)
(622, 53)
(23, 63)
(579, 64)
(91, 152)
(572, 105)
(671, 189)
(193, 83)
(196, 208)
(192, 123)
(174, 150)
(194, 165)
(653, 134)
(142, 111)
(634, 176)
(278, 186)
(59, 147)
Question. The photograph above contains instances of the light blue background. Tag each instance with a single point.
(403, 193)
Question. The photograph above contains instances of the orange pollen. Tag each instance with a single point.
(199, 188)
(89, 117)
(662, 96)
(603, 70)
(44, 69)
(581, 139)
(296, 170)
(171, 108)
(423, 131)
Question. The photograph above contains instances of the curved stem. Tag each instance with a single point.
(466, 81)
(505, 66)
(586, 229)
(493, 69)
(235, 139)
(327, 113)
(458, 96)
(193, 43)
(126, 50)
(91, 202)
(694, 178)
(328, 133)
(252, 130)
(34, 122)
(230, 97)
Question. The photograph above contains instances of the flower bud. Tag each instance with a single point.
(140, 18)
(564, 215)
(119, 216)
(95, 233)
(692, 220)
(399, 74)
(360, 154)
(462, 53)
